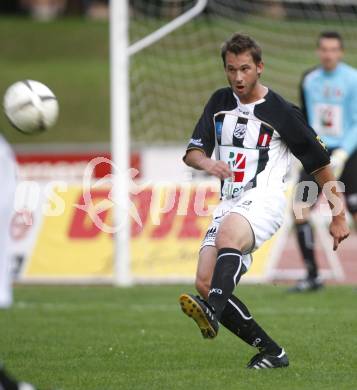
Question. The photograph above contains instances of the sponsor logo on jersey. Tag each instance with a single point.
(237, 166)
(196, 141)
(326, 117)
(242, 111)
(230, 191)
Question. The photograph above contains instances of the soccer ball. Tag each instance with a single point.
(30, 106)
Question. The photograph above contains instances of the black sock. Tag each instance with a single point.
(238, 320)
(306, 243)
(226, 275)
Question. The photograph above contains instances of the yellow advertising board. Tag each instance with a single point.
(166, 237)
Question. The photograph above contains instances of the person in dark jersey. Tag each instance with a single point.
(253, 131)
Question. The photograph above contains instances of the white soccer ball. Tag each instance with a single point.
(30, 106)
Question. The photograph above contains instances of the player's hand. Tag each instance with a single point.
(339, 230)
(217, 168)
(338, 160)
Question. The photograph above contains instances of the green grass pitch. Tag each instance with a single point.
(101, 338)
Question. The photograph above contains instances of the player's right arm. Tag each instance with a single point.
(197, 159)
(202, 143)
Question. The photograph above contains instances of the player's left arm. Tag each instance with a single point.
(338, 227)
(305, 144)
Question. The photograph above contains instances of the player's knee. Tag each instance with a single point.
(227, 241)
(224, 239)
(234, 232)
(202, 286)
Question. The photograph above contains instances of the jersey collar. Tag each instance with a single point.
(262, 100)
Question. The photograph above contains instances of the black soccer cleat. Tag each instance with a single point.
(307, 285)
(196, 308)
(264, 360)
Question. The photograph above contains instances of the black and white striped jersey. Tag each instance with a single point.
(256, 139)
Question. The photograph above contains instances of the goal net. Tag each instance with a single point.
(172, 78)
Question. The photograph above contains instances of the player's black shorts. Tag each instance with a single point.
(348, 177)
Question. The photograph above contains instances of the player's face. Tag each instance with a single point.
(242, 74)
(330, 53)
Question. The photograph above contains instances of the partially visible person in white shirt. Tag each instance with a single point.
(7, 194)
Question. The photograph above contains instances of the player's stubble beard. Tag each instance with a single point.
(247, 95)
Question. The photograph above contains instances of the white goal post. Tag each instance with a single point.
(120, 51)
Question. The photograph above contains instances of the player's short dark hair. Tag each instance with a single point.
(240, 43)
(330, 35)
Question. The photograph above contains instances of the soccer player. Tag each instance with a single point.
(329, 103)
(253, 130)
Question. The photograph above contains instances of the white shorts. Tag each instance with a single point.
(263, 209)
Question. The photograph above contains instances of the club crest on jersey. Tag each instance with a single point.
(240, 130)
